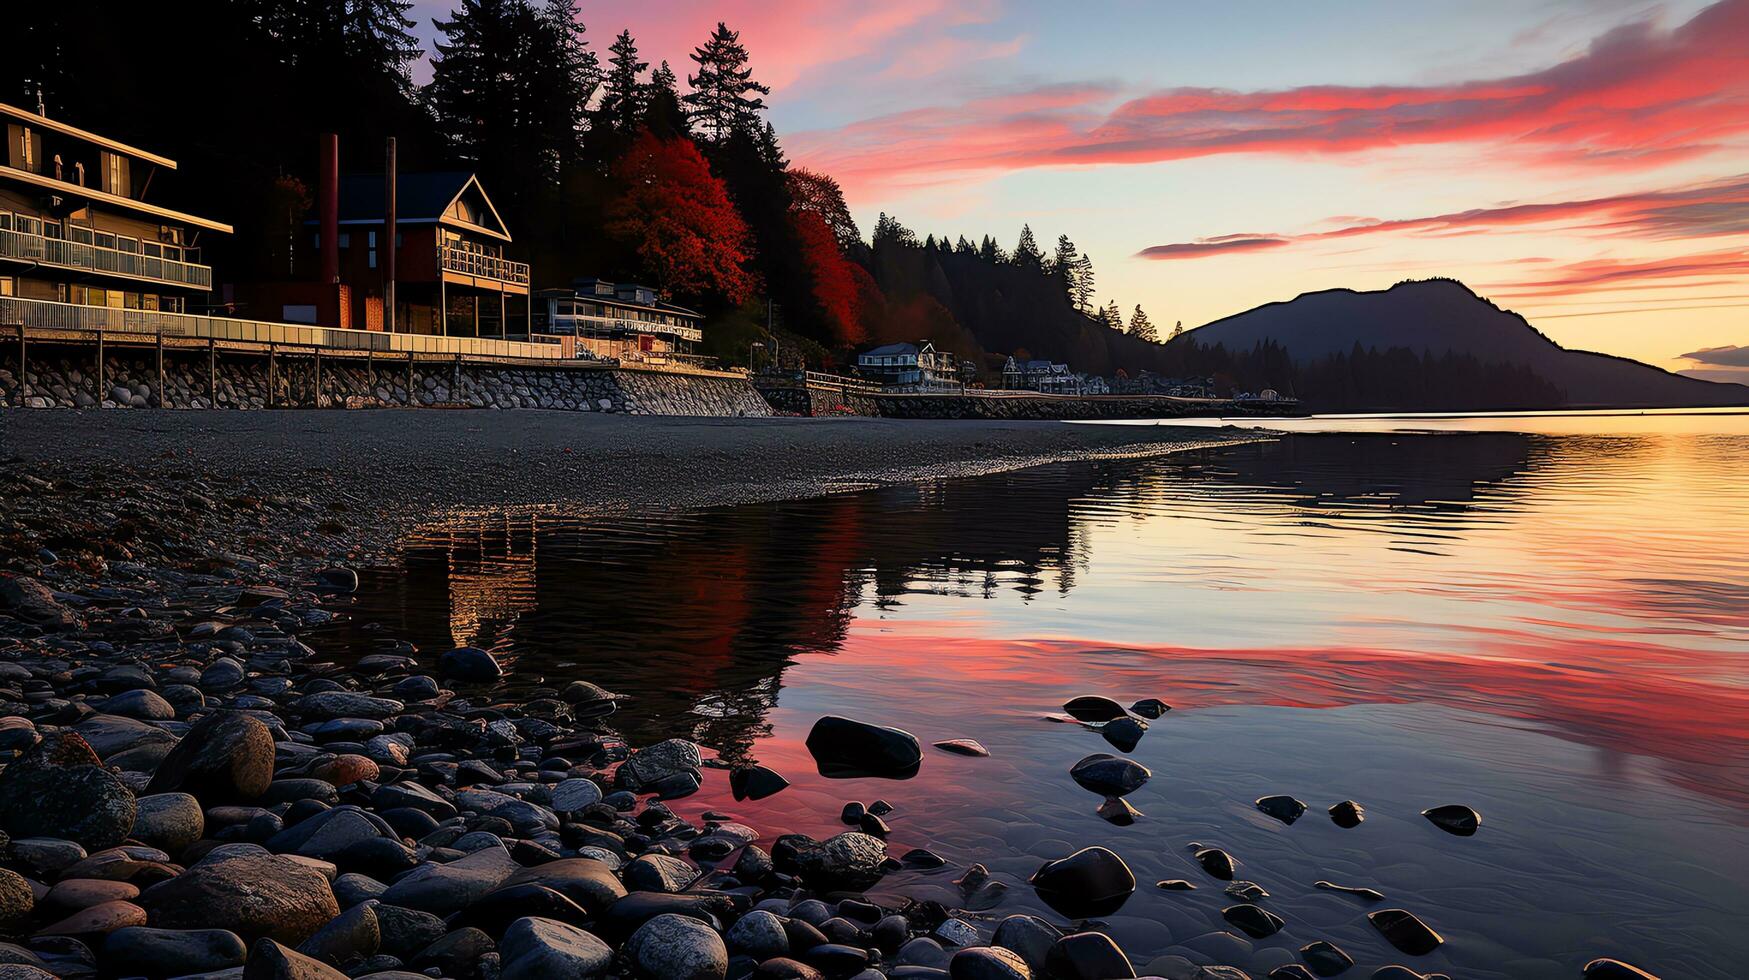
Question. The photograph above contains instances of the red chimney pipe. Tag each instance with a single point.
(389, 233)
(330, 208)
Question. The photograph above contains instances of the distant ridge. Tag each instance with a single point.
(1441, 315)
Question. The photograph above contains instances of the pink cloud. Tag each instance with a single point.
(1637, 96)
(1215, 246)
(1601, 274)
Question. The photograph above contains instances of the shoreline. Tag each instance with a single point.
(191, 787)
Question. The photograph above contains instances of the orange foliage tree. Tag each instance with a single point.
(834, 276)
(679, 220)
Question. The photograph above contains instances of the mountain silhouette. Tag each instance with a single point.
(1437, 316)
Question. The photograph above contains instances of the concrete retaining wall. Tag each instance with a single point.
(65, 376)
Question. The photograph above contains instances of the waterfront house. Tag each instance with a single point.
(1038, 374)
(917, 367)
(75, 226)
(623, 321)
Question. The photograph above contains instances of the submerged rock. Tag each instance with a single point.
(1246, 891)
(1404, 931)
(1150, 707)
(1455, 818)
(1118, 811)
(1124, 734)
(1109, 775)
(1175, 885)
(1090, 882)
(1256, 921)
(1218, 863)
(1093, 708)
(1369, 894)
(1608, 969)
(843, 749)
(1326, 959)
(963, 746)
(1347, 814)
(755, 782)
(1283, 808)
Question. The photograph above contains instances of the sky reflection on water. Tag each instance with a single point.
(1551, 628)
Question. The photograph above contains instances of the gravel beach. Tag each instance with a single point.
(189, 787)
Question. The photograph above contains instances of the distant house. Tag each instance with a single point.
(623, 321)
(1149, 383)
(916, 366)
(1093, 384)
(75, 226)
(1036, 374)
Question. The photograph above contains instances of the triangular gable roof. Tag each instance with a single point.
(446, 197)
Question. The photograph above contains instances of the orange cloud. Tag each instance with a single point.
(1638, 96)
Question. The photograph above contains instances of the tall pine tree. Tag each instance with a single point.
(1026, 251)
(623, 93)
(724, 96)
(1142, 328)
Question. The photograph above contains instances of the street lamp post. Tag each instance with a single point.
(756, 345)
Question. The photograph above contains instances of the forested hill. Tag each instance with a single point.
(1443, 319)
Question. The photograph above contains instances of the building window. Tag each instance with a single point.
(371, 257)
(345, 239)
(5, 221)
(6, 286)
(115, 175)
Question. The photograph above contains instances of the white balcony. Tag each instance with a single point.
(60, 253)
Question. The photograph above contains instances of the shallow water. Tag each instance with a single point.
(1550, 625)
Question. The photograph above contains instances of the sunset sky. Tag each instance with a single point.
(1585, 162)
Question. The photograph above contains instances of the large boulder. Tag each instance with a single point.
(57, 789)
(227, 756)
(1090, 882)
(534, 948)
(470, 665)
(849, 861)
(246, 890)
(269, 960)
(173, 952)
(844, 748)
(675, 947)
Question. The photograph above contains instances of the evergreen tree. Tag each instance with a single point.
(1177, 330)
(1066, 265)
(563, 79)
(662, 111)
(1112, 317)
(622, 98)
(724, 97)
(1142, 328)
(1082, 298)
(964, 247)
(1026, 251)
(991, 252)
(379, 33)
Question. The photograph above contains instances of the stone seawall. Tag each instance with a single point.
(814, 401)
(972, 405)
(66, 376)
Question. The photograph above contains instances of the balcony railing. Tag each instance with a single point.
(583, 325)
(483, 266)
(45, 315)
(64, 254)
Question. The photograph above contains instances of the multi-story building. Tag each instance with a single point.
(915, 366)
(624, 321)
(1037, 374)
(75, 226)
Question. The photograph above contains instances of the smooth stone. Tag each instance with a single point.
(1369, 894)
(1608, 969)
(1118, 811)
(1455, 818)
(849, 859)
(1090, 882)
(1283, 808)
(141, 704)
(1404, 931)
(844, 748)
(1028, 936)
(755, 782)
(447, 888)
(1150, 707)
(1325, 958)
(963, 746)
(352, 889)
(1218, 863)
(86, 804)
(1255, 921)
(923, 951)
(170, 821)
(1292, 971)
(82, 893)
(470, 665)
(346, 704)
(1124, 733)
(252, 893)
(493, 913)
(1175, 885)
(456, 953)
(391, 796)
(269, 960)
(1093, 708)
(572, 795)
(1109, 775)
(759, 934)
(625, 916)
(663, 760)
(534, 948)
(174, 952)
(225, 757)
(104, 917)
(588, 882)
(675, 947)
(1088, 956)
(352, 935)
(1347, 814)
(405, 932)
(17, 902)
(658, 873)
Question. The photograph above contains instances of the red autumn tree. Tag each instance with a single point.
(679, 220)
(834, 276)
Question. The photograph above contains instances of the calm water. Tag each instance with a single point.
(1551, 625)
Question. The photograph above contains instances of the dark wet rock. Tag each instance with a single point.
(1093, 708)
(963, 746)
(784, 968)
(880, 808)
(843, 748)
(346, 704)
(1395, 972)
(405, 931)
(1368, 894)
(534, 948)
(35, 603)
(93, 922)
(447, 888)
(922, 857)
(253, 894)
(1124, 734)
(803, 935)
(1175, 885)
(1608, 969)
(1347, 814)
(874, 826)
(17, 900)
(1109, 775)
(1255, 921)
(1454, 818)
(350, 936)
(174, 952)
(337, 579)
(391, 796)
(1218, 863)
(836, 959)
(419, 687)
(1150, 707)
(225, 757)
(675, 947)
(957, 932)
(169, 821)
(662, 761)
(1246, 891)
(1283, 808)
(352, 889)
(759, 934)
(923, 952)
(623, 917)
(221, 675)
(1088, 956)
(658, 873)
(853, 813)
(1028, 936)
(1326, 959)
(492, 913)
(141, 704)
(755, 782)
(1404, 931)
(1090, 882)
(269, 960)
(988, 963)
(470, 665)
(86, 804)
(456, 953)
(1117, 811)
(849, 860)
